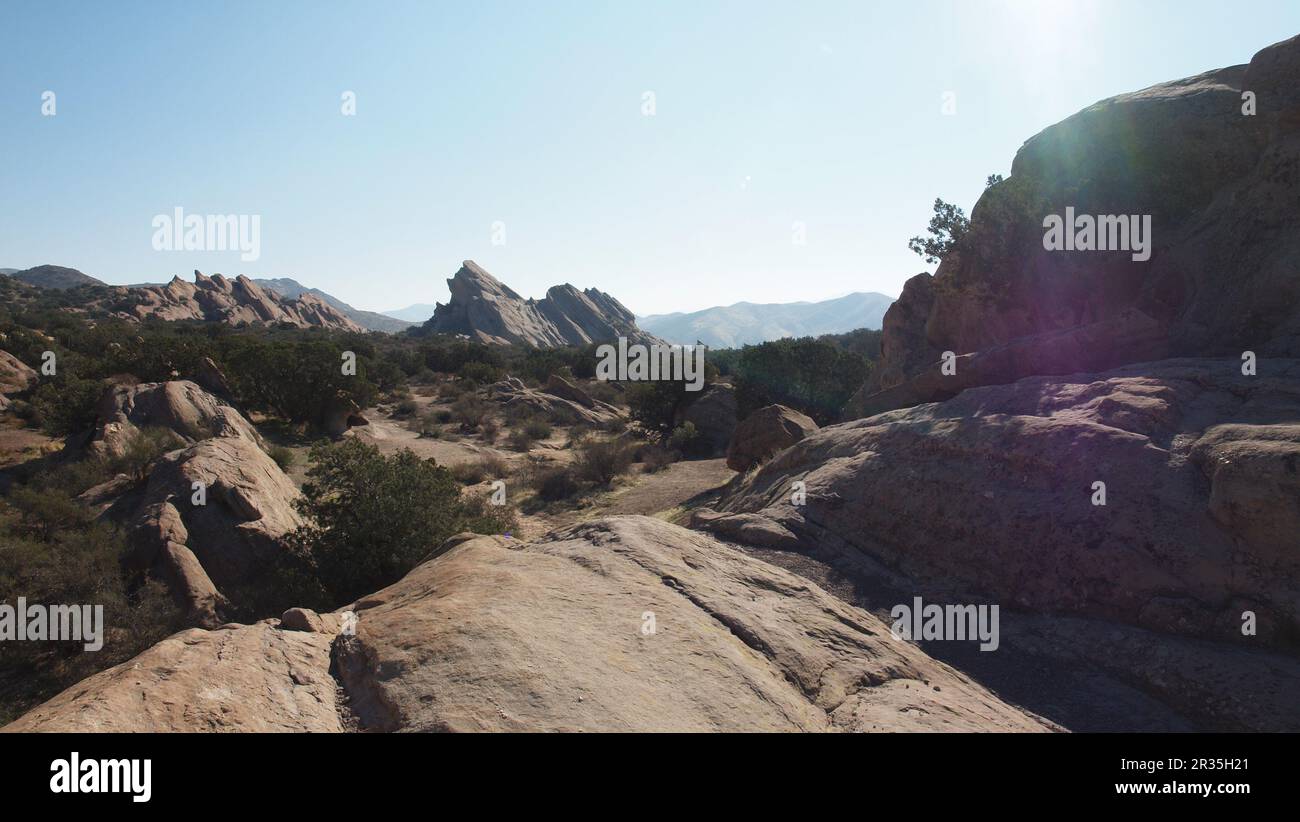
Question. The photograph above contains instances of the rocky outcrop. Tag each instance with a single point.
(484, 309)
(764, 432)
(567, 406)
(622, 624)
(713, 413)
(180, 406)
(15, 377)
(253, 678)
(217, 299)
(214, 511)
(1219, 186)
(995, 492)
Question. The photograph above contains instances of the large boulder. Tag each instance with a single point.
(253, 678)
(764, 432)
(995, 492)
(567, 402)
(180, 406)
(15, 375)
(213, 513)
(713, 413)
(633, 624)
(1219, 186)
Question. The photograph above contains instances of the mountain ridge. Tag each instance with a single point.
(748, 323)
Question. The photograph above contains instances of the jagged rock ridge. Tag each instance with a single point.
(217, 299)
(485, 309)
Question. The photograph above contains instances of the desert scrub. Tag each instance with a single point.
(602, 461)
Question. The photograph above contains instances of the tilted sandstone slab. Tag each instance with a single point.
(993, 492)
(181, 406)
(633, 624)
(485, 309)
(255, 678)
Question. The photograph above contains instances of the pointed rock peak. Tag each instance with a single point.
(199, 278)
(472, 279)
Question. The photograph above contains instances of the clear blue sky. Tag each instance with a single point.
(530, 114)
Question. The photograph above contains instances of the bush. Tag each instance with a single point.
(442, 415)
(406, 408)
(686, 439)
(655, 458)
(489, 430)
(602, 461)
(554, 484)
(284, 457)
(470, 411)
(480, 372)
(474, 472)
(373, 518)
(538, 429)
(520, 440)
(144, 447)
(66, 406)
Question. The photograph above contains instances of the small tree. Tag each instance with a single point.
(948, 225)
(373, 518)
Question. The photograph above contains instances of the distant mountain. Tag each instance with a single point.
(485, 309)
(416, 313)
(53, 276)
(8, 271)
(748, 323)
(369, 320)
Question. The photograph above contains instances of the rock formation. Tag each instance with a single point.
(621, 624)
(15, 377)
(484, 309)
(246, 509)
(1219, 186)
(993, 492)
(217, 299)
(764, 432)
(568, 402)
(713, 413)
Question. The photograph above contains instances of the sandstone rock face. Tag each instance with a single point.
(485, 309)
(213, 380)
(217, 299)
(713, 414)
(247, 503)
(499, 635)
(253, 678)
(622, 624)
(179, 405)
(15, 376)
(763, 433)
(577, 406)
(248, 510)
(993, 493)
(1220, 190)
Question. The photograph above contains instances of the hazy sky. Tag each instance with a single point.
(531, 115)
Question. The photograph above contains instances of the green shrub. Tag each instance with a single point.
(476, 471)
(406, 408)
(372, 518)
(470, 411)
(554, 484)
(284, 457)
(688, 440)
(538, 429)
(602, 461)
(144, 448)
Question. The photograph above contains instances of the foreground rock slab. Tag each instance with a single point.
(254, 678)
(633, 624)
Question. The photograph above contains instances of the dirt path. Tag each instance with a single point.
(664, 494)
